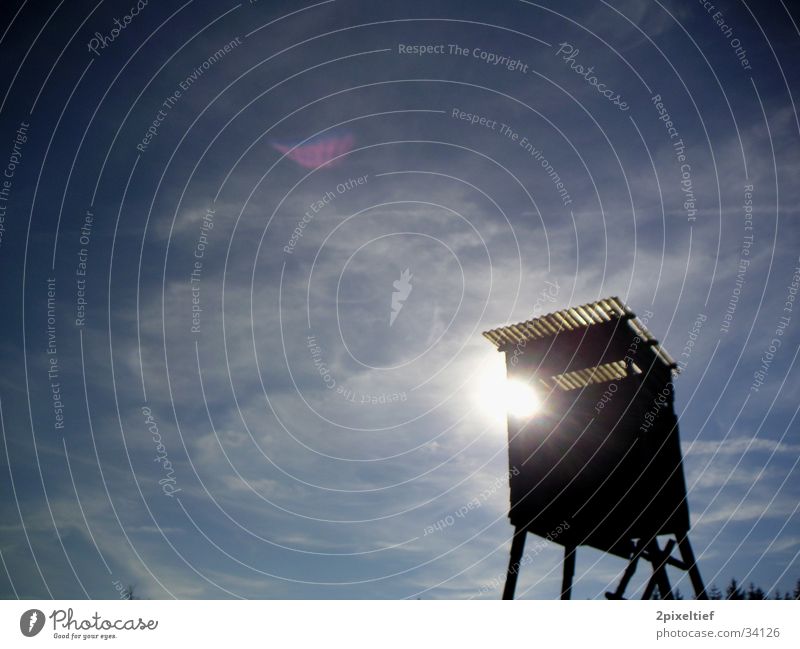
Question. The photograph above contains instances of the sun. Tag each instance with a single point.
(521, 399)
(499, 396)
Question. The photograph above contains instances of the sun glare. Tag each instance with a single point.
(499, 396)
(520, 399)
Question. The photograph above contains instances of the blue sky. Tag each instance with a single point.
(297, 445)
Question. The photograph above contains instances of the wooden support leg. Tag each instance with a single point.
(664, 588)
(629, 571)
(659, 577)
(517, 548)
(650, 588)
(569, 571)
(691, 566)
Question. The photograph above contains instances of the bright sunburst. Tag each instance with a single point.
(498, 396)
(520, 399)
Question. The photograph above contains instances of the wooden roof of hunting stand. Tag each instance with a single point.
(585, 344)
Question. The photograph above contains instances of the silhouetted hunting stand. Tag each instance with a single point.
(601, 461)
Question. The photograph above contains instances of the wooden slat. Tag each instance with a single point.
(504, 336)
(606, 373)
(594, 375)
(529, 329)
(572, 317)
(558, 317)
(580, 377)
(519, 332)
(536, 328)
(585, 315)
(548, 326)
(560, 383)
